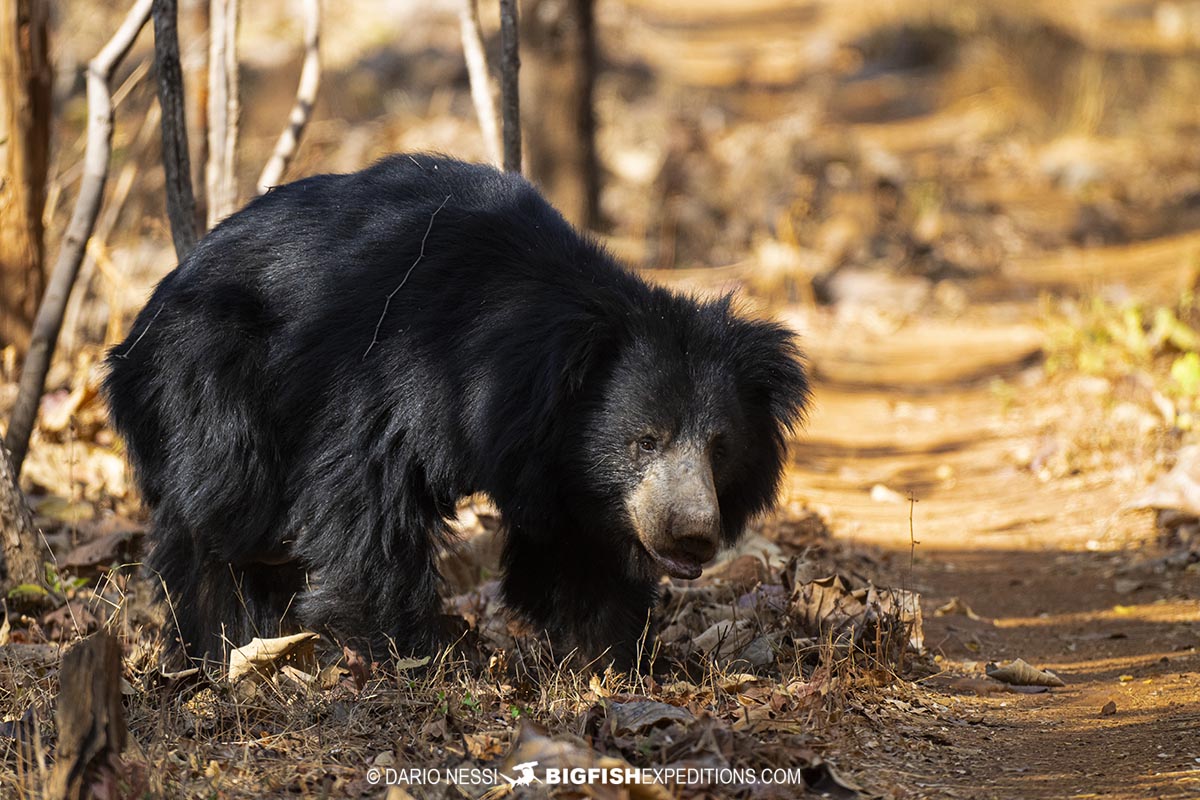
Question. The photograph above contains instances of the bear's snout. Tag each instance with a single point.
(675, 512)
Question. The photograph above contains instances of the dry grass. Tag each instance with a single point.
(318, 733)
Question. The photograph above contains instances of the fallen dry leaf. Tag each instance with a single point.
(264, 657)
(112, 548)
(735, 682)
(302, 679)
(409, 664)
(68, 621)
(534, 752)
(435, 729)
(596, 684)
(743, 573)
(956, 606)
(829, 608)
(641, 715)
(484, 746)
(800, 690)
(726, 637)
(1021, 673)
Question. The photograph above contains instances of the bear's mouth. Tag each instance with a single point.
(676, 566)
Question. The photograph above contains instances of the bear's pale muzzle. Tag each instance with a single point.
(675, 512)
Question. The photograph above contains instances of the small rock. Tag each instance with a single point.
(1126, 585)
(882, 494)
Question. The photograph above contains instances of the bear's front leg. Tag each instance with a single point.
(589, 596)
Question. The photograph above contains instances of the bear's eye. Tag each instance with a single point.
(718, 449)
(648, 444)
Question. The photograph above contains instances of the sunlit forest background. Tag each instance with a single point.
(982, 218)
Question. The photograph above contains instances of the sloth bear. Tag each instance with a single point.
(308, 395)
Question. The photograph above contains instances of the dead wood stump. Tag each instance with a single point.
(91, 722)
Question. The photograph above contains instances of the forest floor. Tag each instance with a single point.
(1022, 486)
(968, 459)
(995, 279)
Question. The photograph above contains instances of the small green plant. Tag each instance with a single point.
(56, 585)
(26, 593)
(60, 584)
(1185, 375)
(1111, 340)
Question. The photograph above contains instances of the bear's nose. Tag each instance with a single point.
(693, 524)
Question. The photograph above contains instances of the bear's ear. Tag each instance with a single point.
(561, 359)
(529, 415)
(587, 344)
(771, 369)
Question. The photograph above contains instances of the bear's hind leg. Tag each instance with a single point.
(197, 597)
(211, 606)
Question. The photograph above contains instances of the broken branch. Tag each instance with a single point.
(482, 91)
(48, 323)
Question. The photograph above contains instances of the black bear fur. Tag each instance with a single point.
(308, 395)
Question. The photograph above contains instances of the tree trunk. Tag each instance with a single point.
(91, 722)
(181, 202)
(558, 58)
(482, 92)
(20, 555)
(25, 83)
(49, 319)
(223, 110)
(193, 57)
(510, 84)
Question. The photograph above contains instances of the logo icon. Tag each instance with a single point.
(525, 774)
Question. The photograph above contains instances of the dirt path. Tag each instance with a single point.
(1019, 517)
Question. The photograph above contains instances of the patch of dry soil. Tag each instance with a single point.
(1020, 481)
